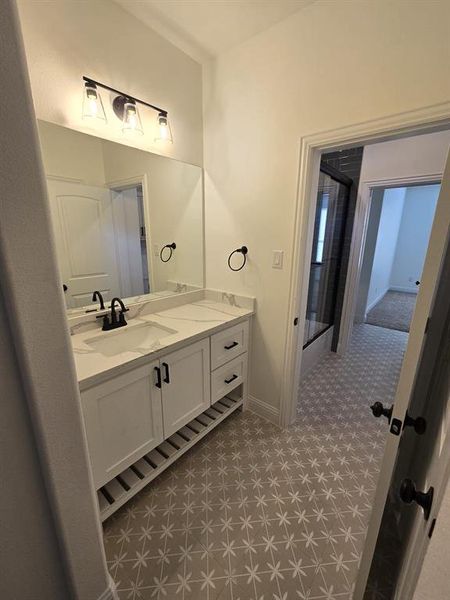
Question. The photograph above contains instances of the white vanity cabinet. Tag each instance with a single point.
(137, 423)
(123, 421)
(186, 390)
(130, 414)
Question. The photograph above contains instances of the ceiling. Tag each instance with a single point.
(207, 28)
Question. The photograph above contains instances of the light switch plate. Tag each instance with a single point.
(277, 259)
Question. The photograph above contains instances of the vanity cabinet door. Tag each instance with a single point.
(123, 420)
(186, 385)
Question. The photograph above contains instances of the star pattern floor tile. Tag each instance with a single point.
(255, 512)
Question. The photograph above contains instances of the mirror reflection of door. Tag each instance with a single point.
(100, 241)
(131, 241)
(85, 246)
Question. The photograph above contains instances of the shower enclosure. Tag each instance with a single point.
(329, 230)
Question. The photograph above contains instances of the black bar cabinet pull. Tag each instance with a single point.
(232, 345)
(167, 374)
(232, 378)
(158, 377)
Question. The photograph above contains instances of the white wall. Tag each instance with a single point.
(50, 533)
(385, 249)
(264, 95)
(66, 40)
(413, 236)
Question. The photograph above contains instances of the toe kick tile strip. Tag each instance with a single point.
(119, 490)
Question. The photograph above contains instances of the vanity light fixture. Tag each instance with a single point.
(92, 102)
(164, 130)
(125, 108)
(131, 121)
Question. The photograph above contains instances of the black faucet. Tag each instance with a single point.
(113, 323)
(97, 296)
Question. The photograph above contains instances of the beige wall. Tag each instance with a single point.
(329, 65)
(50, 532)
(65, 40)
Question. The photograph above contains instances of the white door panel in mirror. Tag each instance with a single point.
(125, 203)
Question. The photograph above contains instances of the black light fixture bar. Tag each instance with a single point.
(119, 93)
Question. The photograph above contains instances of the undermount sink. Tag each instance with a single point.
(129, 339)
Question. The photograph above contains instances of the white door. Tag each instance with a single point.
(123, 421)
(128, 239)
(409, 381)
(85, 241)
(186, 390)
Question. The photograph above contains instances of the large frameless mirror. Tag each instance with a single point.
(127, 222)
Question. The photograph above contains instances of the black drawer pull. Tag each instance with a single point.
(232, 345)
(167, 375)
(232, 378)
(158, 377)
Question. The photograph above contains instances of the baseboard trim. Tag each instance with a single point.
(263, 409)
(406, 290)
(375, 302)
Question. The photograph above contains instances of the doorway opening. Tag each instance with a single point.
(398, 232)
(131, 240)
(336, 390)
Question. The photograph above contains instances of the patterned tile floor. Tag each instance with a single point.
(254, 512)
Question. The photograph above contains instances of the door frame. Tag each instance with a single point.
(426, 120)
(358, 244)
(142, 180)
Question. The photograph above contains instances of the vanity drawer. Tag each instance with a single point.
(228, 344)
(228, 377)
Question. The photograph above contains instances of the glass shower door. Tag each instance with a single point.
(329, 229)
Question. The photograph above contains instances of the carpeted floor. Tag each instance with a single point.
(393, 311)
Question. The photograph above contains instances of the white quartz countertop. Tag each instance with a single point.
(190, 321)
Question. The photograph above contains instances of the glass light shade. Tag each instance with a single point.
(92, 103)
(164, 131)
(131, 122)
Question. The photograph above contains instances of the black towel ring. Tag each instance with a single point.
(244, 252)
(171, 247)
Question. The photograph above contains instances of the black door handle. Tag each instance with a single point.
(378, 410)
(419, 424)
(408, 494)
(166, 371)
(231, 379)
(65, 288)
(158, 377)
(232, 345)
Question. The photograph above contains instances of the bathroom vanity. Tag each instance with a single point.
(128, 227)
(151, 390)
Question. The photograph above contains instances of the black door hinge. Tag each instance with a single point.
(295, 321)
